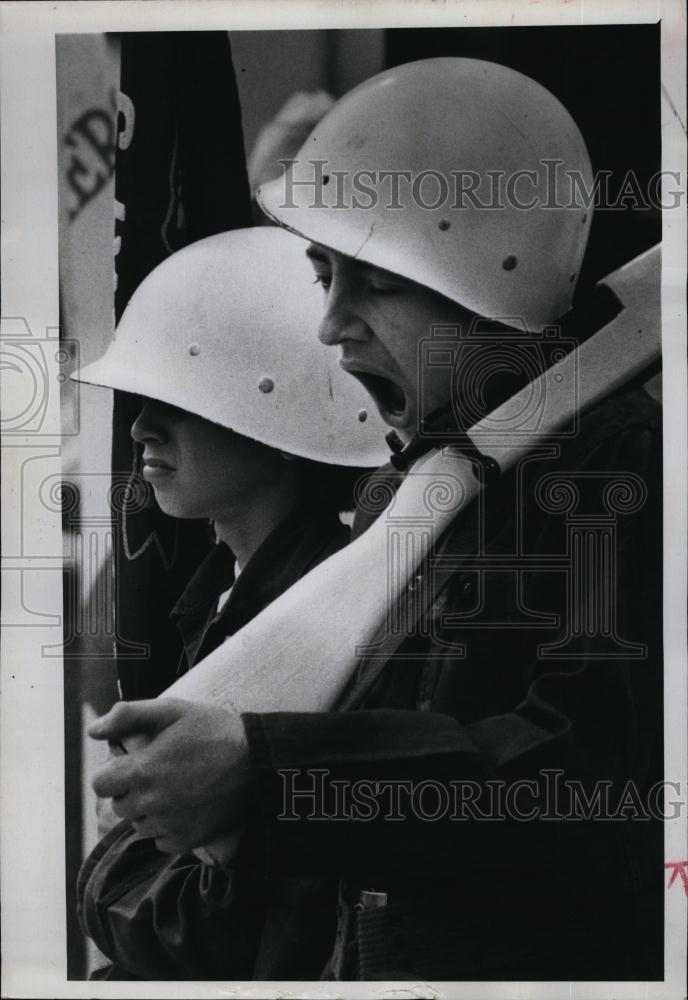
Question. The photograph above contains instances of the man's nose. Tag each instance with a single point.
(341, 321)
(148, 426)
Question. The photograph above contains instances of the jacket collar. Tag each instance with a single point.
(303, 539)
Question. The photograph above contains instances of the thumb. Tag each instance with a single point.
(127, 718)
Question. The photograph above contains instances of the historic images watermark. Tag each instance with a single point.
(312, 794)
(320, 185)
(34, 367)
(591, 506)
(38, 417)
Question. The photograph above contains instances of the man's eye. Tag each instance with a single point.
(323, 279)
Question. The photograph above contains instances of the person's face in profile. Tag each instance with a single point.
(378, 320)
(196, 468)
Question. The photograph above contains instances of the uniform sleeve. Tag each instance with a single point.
(161, 917)
(386, 793)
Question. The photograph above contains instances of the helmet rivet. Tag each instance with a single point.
(444, 225)
(363, 415)
(509, 263)
(194, 350)
(266, 384)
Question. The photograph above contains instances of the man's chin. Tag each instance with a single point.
(173, 509)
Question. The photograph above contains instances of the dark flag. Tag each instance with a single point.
(180, 175)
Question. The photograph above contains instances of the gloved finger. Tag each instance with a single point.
(131, 718)
(146, 826)
(128, 807)
(171, 845)
(114, 778)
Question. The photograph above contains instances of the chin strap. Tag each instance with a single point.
(442, 428)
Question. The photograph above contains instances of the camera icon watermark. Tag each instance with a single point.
(34, 370)
(493, 374)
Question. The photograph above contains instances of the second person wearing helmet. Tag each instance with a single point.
(245, 421)
(498, 686)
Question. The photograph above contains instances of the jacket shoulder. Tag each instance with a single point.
(633, 410)
(622, 430)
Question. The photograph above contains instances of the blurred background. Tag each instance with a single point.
(204, 119)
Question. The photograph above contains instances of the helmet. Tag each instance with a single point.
(227, 329)
(455, 173)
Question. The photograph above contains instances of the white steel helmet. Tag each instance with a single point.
(464, 176)
(227, 329)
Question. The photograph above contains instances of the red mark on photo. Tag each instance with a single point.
(679, 868)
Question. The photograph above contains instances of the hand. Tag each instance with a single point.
(106, 816)
(185, 786)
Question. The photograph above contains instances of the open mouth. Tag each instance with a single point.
(389, 397)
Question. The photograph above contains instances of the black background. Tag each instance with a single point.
(609, 79)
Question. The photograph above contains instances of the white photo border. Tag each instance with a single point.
(33, 841)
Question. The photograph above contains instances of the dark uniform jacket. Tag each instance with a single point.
(161, 917)
(502, 763)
